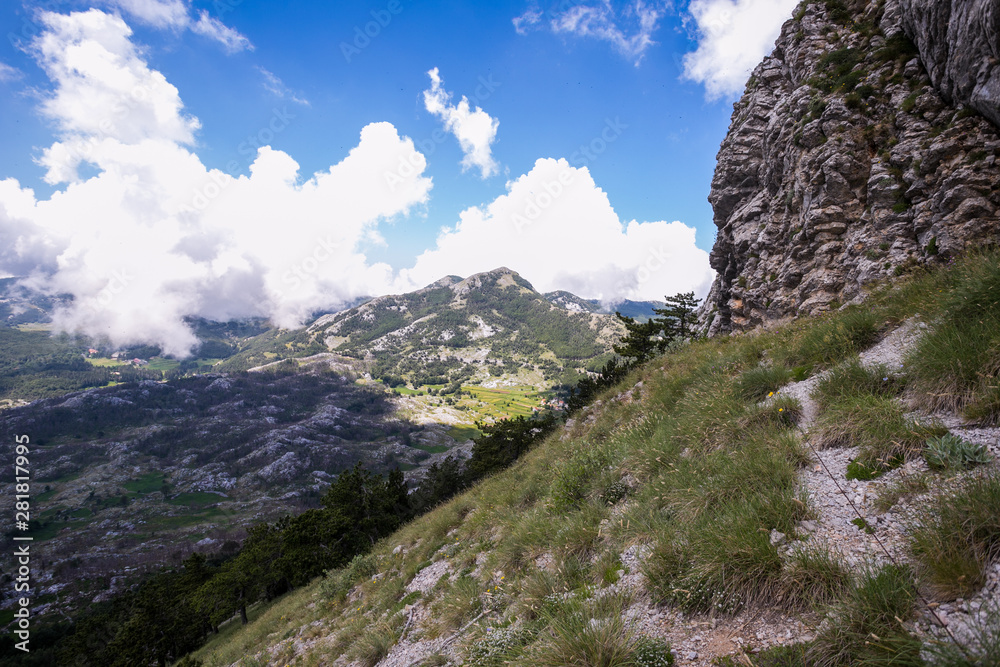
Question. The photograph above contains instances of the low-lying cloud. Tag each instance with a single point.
(558, 229)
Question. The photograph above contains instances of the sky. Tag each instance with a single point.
(163, 159)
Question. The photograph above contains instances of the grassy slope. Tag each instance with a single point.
(698, 473)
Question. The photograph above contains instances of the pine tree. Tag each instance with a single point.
(677, 317)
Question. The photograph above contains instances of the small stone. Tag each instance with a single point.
(777, 537)
(808, 526)
(692, 655)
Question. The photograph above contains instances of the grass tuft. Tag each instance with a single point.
(877, 426)
(586, 634)
(756, 383)
(867, 628)
(831, 339)
(957, 536)
(955, 366)
(852, 379)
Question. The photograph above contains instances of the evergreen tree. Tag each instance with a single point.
(677, 317)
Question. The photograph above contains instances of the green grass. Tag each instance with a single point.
(851, 379)
(878, 427)
(148, 483)
(868, 627)
(463, 433)
(956, 364)
(711, 470)
(581, 633)
(196, 499)
(957, 536)
(757, 383)
(830, 339)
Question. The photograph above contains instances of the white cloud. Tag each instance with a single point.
(475, 129)
(733, 36)
(558, 229)
(175, 15)
(8, 73)
(274, 85)
(156, 13)
(156, 236)
(601, 21)
(528, 19)
(231, 40)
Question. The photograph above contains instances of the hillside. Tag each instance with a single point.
(639, 310)
(778, 498)
(491, 329)
(133, 477)
(860, 149)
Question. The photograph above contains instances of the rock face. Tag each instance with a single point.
(959, 42)
(844, 164)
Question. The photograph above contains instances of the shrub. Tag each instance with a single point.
(957, 536)
(949, 452)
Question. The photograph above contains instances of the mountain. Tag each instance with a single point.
(639, 310)
(861, 149)
(156, 469)
(489, 329)
(782, 498)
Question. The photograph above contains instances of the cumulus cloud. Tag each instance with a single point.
(475, 129)
(175, 15)
(733, 36)
(155, 236)
(629, 30)
(558, 229)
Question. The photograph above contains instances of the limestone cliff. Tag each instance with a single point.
(845, 162)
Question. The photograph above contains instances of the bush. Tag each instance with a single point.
(949, 452)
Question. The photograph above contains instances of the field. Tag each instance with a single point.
(502, 403)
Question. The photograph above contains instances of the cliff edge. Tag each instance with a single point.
(861, 148)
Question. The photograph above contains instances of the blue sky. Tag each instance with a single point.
(398, 142)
